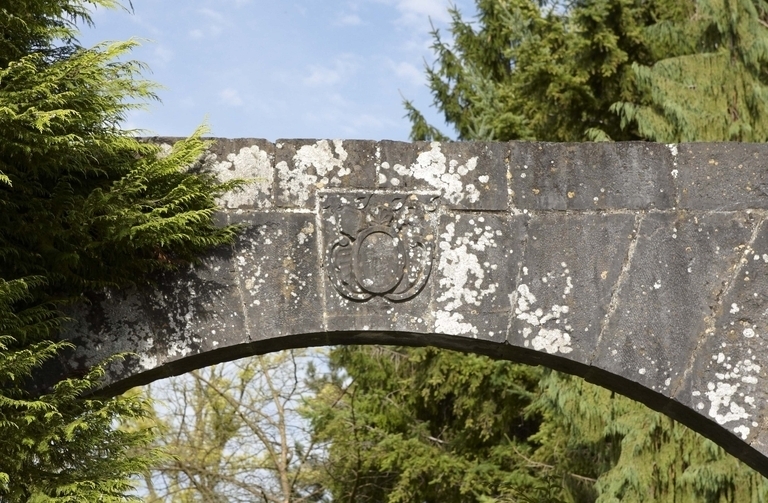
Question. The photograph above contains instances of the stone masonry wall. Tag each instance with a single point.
(642, 267)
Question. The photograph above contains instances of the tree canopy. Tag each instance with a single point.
(658, 70)
(83, 205)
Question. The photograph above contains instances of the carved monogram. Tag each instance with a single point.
(380, 244)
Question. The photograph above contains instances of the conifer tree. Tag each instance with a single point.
(83, 205)
(429, 425)
(537, 70)
(709, 83)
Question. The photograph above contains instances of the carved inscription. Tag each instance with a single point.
(378, 244)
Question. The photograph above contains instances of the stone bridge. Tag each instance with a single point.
(641, 267)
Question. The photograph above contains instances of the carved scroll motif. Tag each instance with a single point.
(380, 245)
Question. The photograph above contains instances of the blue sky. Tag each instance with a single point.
(282, 69)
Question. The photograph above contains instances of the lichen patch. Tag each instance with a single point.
(314, 166)
(463, 280)
(440, 173)
(252, 164)
(728, 394)
(551, 328)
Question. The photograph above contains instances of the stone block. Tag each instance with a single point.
(721, 176)
(188, 312)
(198, 309)
(727, 379)
(676, 274)
(278, 268)
(245, 159)
(570, 261)
(478, 256)
(304, 166)
(591, 176)
(111, 322)
(467, 175)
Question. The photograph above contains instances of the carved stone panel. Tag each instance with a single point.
(378, 245)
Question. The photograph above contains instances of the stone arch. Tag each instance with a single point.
(638, 266)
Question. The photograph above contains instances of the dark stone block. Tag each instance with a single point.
(722, 176)
(570, 261)
(112, 322)
(198, 309)
(189, 312)
(591, 176)
(478, 257)
(675, 276)
(304, 166)
(379, 255)
(277, 264)
(727, 380)
(467, 175)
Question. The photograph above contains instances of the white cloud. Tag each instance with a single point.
(210, 26)
(408, 72)
(212, 14)
(162, 55)
(436, 9)
(418, 12)
(349, 20)
(320, 76)
(231, 97)
(343, 67)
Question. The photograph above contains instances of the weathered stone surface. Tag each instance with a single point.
(570, 261)
(721, 176)
(189, 312)
(730, 363)
(468, 175)
(663, 301)
(305, 166)
(591, 176)
(244, 159)
(476, 254)
(278, 270)
(641, 267)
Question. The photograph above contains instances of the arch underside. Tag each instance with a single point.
(640, 267)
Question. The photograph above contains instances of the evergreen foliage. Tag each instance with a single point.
(657, 70)
(443, 427)
(83, 205)
(712, 86)
(529, 69)
(421, 425)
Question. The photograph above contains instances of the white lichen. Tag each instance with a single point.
(462, 279)
(551, 325)
(728, 400)
(672, 149)
(442, 174)
(252, 164)
(297, 181)
(462, 274)
(305, 232)
(453, 324)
